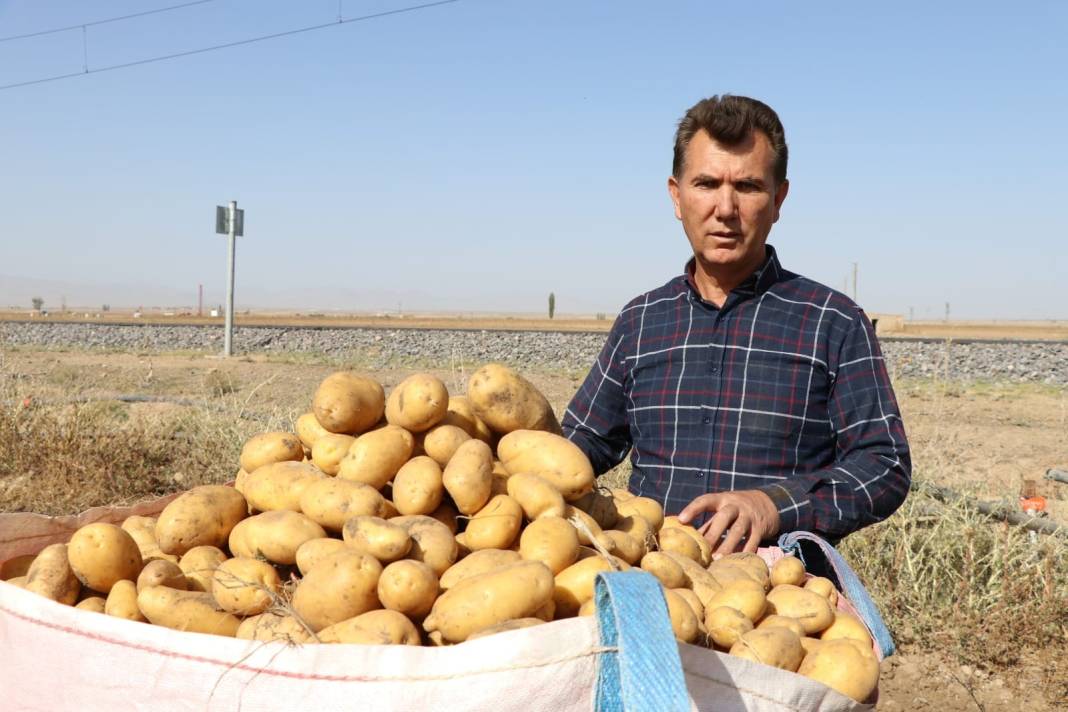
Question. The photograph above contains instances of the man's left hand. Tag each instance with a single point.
(743, 515)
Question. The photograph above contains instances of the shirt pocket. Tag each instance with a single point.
(785, 399)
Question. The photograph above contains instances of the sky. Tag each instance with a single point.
(478, 155)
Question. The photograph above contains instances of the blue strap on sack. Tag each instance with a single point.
(642, 670)
(847, 581)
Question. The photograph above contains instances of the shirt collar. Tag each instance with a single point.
(755, 284)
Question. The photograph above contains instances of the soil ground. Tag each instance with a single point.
(984, 439)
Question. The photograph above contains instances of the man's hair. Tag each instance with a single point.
(729, 120)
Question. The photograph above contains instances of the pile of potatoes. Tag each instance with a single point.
(428, 519)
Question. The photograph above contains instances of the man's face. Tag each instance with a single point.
(727, 200)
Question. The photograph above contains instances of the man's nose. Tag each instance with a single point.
(725, 204)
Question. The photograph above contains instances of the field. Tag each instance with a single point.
(979, 609)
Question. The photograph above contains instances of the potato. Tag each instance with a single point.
(469, 476)
(505, 626)
(339, 587)
(347, 403)
(274, 536)
(675, 540)
(50, 575)
(273, 626)
(373, 628)
(199, 564)
(329, 450)
(726, 572)
(683, 619)
(265, 448)
(143, 531)
(695, 604)
(824, 587)
(574, 585)
(162, 573)
(435, 546)
(586, 527)
(666, 570)
(418, 486)
(726, 625)
(697, 577)
(19, 581)
(644, 507)
(442, 441)
(280, 485)
(101, 554)
(496, 525)
(309, 430)
(478, 562)
(639, 528)
(550, 456)
(751, 564)
(601, 506)
(837, 664)
(552, 541)
(788, 570)
(777, 647)
(462, 415)
(808, 607)
(514, 591)
(314, 550)
(375, 457)
(409, 587)
(122, 602)
(745, 596)
(505, 401)
(330, 502)
(94, 604)
(703, 546)
(381, 539)
(846, 625)
(810, 644)
(626, 547)
(185, 610)
(245, 587)
(536, 495)
(417, 403)
(203, 516)
(777, 621)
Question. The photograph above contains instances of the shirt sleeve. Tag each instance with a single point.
(872, 470)
(596, 418)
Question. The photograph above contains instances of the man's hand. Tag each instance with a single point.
(742, 514)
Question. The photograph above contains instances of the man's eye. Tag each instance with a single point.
(747, 187)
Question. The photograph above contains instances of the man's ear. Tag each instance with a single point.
(780, 197)
(673, 191)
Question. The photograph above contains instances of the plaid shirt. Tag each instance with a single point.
(782, 389)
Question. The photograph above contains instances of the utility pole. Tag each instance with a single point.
(200, 300)
(854, 281)
(230, 221)
(947, 311)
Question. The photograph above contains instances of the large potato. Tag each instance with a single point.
(381, 539)
(666, 569)
(199, 564)
(675, 540)
(462, 415)
(478, 562)
(841, 666)
(122, 602)
(846, 625)
(745, 596)
(280, 485)
(375, 457)
(824, 587)
(50, 575)
(442, 441)
(552, 541)
(347, 403)
(468, 478)
(309, 430)
(703, 546)
(203, 516)
(645, 507)
(312, 551)
(435, 546)
(265, 448)
(808, 607)
(515, 591)
(626, 547)
(418, 403)
(418, 486)
(788, 570)
(496, 525)
(550, 456)
(777, 647)
(274, 536)
(162, 573)
(683, 619)
(143, 531)
(726, 625)
(330, 502)
(505, 401)
(536, 495)
(373, 628)
(101, 554)
(186, 610)
(339, 587)
(329, 450)
(245, 587)
(274, 626)
(409, 587)
(574, 585)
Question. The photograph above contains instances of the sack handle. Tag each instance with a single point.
(641, 670)
(848, 582)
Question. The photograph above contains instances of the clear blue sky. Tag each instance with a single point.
(478, 155)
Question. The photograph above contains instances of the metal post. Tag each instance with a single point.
(228, 347)
(854, 281)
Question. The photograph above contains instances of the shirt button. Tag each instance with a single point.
(706, 420)
(714, 369)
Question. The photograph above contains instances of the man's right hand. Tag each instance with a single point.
(747, 516)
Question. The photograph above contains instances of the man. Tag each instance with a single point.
(756, 401)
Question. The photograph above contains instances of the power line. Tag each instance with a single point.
(102, 22)
(227, 45)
